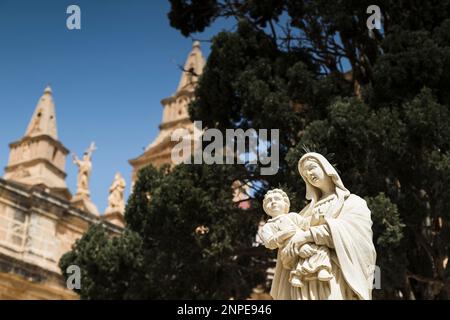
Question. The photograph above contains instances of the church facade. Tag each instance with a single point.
(39, 219)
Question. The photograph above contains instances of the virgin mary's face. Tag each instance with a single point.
(315, 174)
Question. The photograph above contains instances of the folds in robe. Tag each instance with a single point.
(349, 235)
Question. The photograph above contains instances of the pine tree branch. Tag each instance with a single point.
(423, 279)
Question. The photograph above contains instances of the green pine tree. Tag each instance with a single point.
(182, 241)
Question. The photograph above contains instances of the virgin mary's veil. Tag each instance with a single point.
(312, 193)
(350, 228)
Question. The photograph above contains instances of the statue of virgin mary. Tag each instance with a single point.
(346, 231)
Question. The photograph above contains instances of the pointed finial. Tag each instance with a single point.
(196, 44)
(48, 90)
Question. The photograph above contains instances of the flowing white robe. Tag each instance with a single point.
(349, 236)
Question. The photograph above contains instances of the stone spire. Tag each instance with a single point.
(43, 121)
(193, 68)
(39, 159)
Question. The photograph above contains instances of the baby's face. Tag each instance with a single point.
(275, 205)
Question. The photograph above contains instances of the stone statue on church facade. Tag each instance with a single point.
(84, 170)
(325, 251)
(116, 199)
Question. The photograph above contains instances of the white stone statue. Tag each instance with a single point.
(116, 199)
(84, 170)
(326, 250)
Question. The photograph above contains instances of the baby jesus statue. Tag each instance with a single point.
(314, 261)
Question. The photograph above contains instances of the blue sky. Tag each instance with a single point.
(107, 78)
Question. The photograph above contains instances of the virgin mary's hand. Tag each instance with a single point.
(292, 248)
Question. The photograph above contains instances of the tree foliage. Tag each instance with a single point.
(184, 243)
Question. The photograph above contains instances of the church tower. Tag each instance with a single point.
(175, 114)
(39, 158)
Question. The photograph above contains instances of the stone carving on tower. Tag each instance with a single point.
(39, 158)
(116, 201)
(82, 198)
(175, 114)
(84, 170)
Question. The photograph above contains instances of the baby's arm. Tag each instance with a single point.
(283, 235)
(299, 221)
(273, 239)
(322, 235)
(267, 236)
